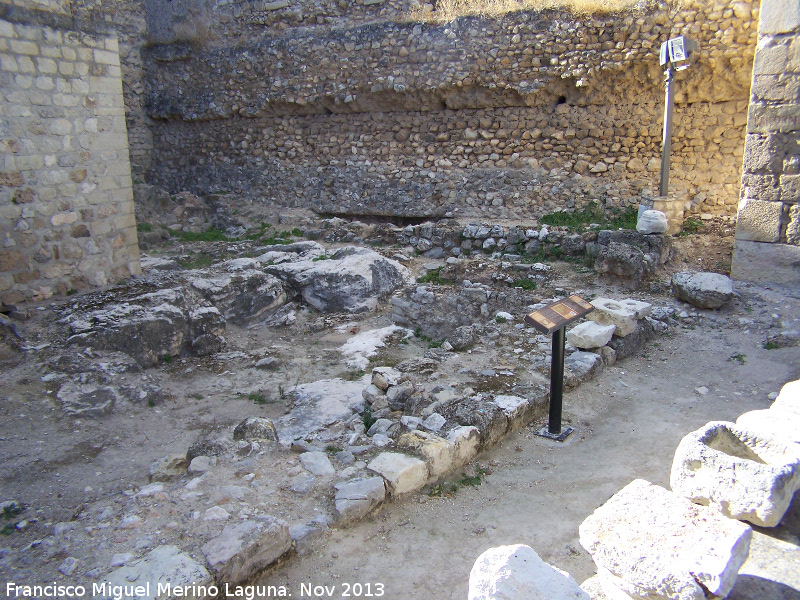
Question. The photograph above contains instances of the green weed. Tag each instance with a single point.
(526, 284)
(368, 419)
(259, 399)
(434, 277)
(212, 235)
(770, 345)
(737, 358)
(144, 227)
(607, 218)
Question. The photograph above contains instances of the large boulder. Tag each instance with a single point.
(352, 279)
(241, 292)
(704, 290)
(629, 254)
(651, 543)
(747, 476)
(517, 573)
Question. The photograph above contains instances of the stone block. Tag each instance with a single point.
(747, 476)
(356, 498)
(466, 440)
(581, 367)
(763, 153)
(790, 189)
(435, 451)
(793, 228)
(517, 573)
(403, 473)
(614, 312)
(652, 543)
(517, 410)
(779, 17)
(759, 262)
(590, 334)
(789, 398)
(771, 59)
(759, 221)
(246, 548)
(161, 566)
(704, 290)
(317, 463)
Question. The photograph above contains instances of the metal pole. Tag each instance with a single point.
(556, 381)
(666, 140)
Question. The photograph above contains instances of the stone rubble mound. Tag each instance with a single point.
(745, 475)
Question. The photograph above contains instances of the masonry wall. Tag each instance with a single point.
(66, 201)
(767, 246)
(496, 118)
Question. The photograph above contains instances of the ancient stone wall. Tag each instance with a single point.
(497, 118)
(767, 244)
(66, 202)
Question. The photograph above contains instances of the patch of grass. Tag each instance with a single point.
(151, 402)
(320, 257)
(738, 358)
(368, 419)
(330, 449)
(433, 344)
(443, 490)
(259, 399)
(474, 480)
(691, 225)
(296, 232)
(434, 277)
(144, 227)
(446, 489)
(526, 284)
(9, 512)
(167, 358)
(199, 261)
(500, 319)
(196, 396)
(607, 218)
(7, 529)
(770, 345)
(212, 235)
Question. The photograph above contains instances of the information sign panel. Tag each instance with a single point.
(559, 314)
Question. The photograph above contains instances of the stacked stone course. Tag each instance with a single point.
(501, 118)
(66, 201)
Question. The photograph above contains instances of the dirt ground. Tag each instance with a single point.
(629, 421)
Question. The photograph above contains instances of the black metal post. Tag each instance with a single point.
(666, 139)
(556, 381)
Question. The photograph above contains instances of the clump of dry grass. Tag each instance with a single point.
(448, 10)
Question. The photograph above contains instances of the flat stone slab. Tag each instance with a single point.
(588, 335)
(163, 565)
(704, 290)
(517, 573)
(746, 475)
(246, 548)
(403, 473)
(654, 544)
(356, 498)
(317, 463)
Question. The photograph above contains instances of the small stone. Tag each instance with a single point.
(255, 428)
(69, 566)
(168, 468)
(131, 522)
(383, 377)
(371, 393)
(165, 564)
(121, 559)
(356, 498)
(199, 465)
(216, 513)
(434, 422)
(317, 463)
(268, 363)
(702, 390)
(150, 490)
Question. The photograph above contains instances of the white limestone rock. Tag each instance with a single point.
(654, 544)
(246, 548)
(581, 367)
(357, 497)
(772, 422)
(435, 451)
(165, 564)
(403, 473)
(383, 377)
(317, 463)
(651, 221)
(789, 398)
(704, 290)
(622, 313)
(515, 408)
(588, 335)
(466, 440)
(517, 573)
(748, 476)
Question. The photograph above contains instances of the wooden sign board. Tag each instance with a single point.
(559, 314)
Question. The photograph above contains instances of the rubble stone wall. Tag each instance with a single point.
(767, 244)
(498, 118)
(66, 201)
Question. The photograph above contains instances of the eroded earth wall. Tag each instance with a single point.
(66, 201)
(767, 246)
(382, 115)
